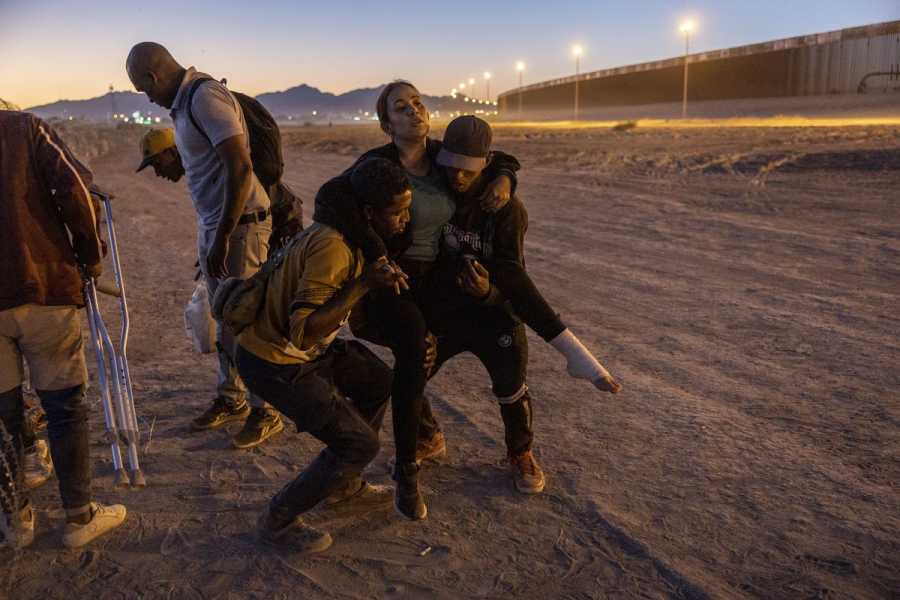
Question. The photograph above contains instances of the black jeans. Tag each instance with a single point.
(67, 432)
(315, 396)
(499, 342)
(401, 326)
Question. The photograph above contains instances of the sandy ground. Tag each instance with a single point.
(742, 282)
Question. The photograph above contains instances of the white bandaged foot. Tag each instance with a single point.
(581, 364)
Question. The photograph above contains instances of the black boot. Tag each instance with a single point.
(407, 499)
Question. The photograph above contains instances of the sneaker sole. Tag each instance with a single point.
(224, 421)
(362, 503)
(323, 544)
(92, 535)
(406, 516)
(530, 490)
(272, 431)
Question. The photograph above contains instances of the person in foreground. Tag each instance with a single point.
(45, 199)
(289, 356)
(481, 293)
(233, 216)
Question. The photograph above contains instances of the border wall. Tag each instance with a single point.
(859, 60)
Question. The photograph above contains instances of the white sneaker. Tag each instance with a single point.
(103, 519)
(38, 465)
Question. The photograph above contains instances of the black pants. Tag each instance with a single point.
(67, 432)
(401, 325)
(315, 396)
(499, 342)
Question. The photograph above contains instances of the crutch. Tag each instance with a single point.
(114, 379)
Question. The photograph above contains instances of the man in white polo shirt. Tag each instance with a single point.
(232, 207)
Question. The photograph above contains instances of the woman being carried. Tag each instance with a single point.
(396, 320)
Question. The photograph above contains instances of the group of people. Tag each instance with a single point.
(419, 246)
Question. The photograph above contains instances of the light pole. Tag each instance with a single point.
(577, 51)
(487, 86)
(520, 68)
(686, 29)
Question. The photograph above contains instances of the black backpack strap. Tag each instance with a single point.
(195, 84)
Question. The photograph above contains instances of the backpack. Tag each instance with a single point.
(238, 301)
(265, 138)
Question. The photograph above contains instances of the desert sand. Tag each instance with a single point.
(741, 282)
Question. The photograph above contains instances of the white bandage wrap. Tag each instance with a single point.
(581, 364)
(515, 397)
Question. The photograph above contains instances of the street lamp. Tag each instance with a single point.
(577, 51)
(520, 68)
(686, 29)
(487, 86)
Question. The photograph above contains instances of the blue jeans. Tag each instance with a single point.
(67, 432)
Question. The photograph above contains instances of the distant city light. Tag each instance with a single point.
(520, 66)
(462, 85)
(577, 50)
(487, 75)
(157, 119)
(471, 81)
(687, 26)
(315, 112)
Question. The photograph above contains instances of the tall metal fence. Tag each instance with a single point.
(849, 61)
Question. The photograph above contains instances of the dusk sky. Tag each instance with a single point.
(52, 49)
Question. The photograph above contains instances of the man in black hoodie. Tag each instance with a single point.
(481, 294)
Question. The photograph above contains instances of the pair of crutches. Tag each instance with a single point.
(113, 377)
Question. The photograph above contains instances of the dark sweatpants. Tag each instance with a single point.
(315, 396)
(499, 342)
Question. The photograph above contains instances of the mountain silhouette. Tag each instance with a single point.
(296, 103)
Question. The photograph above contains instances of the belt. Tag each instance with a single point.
(254, 217)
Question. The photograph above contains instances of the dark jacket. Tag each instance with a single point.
(43, 193)
(497, 241)
(337, 206)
